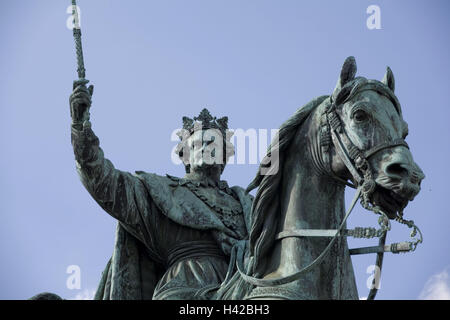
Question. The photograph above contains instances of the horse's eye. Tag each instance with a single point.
(360, 115)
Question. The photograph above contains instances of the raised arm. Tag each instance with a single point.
(119, 193)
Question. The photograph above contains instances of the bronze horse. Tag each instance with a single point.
(355, 134)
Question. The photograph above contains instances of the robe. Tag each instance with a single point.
(174, 236)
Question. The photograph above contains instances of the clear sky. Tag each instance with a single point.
(153, 62)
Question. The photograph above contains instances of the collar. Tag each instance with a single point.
(222, 185)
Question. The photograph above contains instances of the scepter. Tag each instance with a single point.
(79, 49)
(82, 81)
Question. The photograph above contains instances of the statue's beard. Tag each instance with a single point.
(206, 168)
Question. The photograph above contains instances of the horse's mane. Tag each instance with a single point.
(265, 206)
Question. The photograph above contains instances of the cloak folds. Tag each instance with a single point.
(134, 269)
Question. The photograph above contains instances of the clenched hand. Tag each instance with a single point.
(80, 101)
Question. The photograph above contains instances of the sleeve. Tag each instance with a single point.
(120, 194)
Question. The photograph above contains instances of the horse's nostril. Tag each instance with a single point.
(396, 170)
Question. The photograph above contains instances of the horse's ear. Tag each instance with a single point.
(348, 73)
(388, 79)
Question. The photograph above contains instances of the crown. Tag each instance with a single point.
(205, 121)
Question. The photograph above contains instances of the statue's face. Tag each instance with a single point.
(206, 149)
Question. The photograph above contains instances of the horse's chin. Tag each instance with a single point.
(390, 202)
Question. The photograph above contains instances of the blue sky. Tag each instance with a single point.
(153, 62)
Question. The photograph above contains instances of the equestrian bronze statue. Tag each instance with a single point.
(194, 237)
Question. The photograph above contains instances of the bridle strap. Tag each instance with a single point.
(343, 154)
(386, 145)
(325, 145)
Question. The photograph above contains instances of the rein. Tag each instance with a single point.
(356, 161)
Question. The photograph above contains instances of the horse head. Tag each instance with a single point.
(372, 129)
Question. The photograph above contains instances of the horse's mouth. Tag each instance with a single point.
(390, 202)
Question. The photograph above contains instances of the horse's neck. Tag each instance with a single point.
(309, 199)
